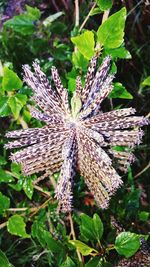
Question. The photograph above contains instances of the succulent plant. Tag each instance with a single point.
(77, 137)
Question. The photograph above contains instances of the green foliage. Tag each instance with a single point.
(10, 80)
(82, 247)
(119, 91)
(32, 231)
(4, 203)
(85, 43)
(127, 243)
(4, 261)
(111, 32)
(104, 4)
(16, 226)
(146, 82)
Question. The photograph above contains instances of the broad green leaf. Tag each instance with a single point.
(22, 24)
(52, 244)
(119, 91)
(4, 108)
(4, 262)
(120, 52)
(45, 238)
(127, 244)
(79, 61)
(16, 226)
(33, 12)
(85, 43)
(82, 247)
(87, 227)
(111, 33)
(68, 263)
(98, 227)
(28, 186)
(5, 177)
(16, 169)
(51, 18)
(10, 81)
(104, 4)
(91, 228)
(4, 203)
(16, 102)
(146, 82)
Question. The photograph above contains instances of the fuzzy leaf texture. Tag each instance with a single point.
(81, 139)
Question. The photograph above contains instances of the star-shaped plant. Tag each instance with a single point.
(78, 136)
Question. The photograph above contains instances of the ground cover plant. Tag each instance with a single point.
(36, 229)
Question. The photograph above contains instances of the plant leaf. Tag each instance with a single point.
(98, 226)
(22, 24)
(110, 34)
(119, 91)
(5, 177)
(10, 81)
(4, 262)
(85, 43)
(82, 247)
(16, 226)
(127, 244)
(4, 108)
(104, 4)
(146, 82)
(4, 203)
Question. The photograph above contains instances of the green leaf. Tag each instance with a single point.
(119, 91)
(120, 52)
(110, 34)
(3, 161)
(22, 24)
(5, 177)
(104, 4)
(95, 11)
(4, 108)
(85, 43)
(127, 244)
(146, 82)
(144, 216)
(68, 263)
(16, 102)
(94, 262)
(4, 203)
(33, 12)
(4, 262)
(10, 81)
(91, 229)
(79, 61)
(45, 238)
(16, 226)
(28, 186)
(87, 227)
(98, 227)
(82, 247)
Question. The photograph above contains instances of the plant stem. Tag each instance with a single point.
(74, 235)
(87, 17)
(76, 13)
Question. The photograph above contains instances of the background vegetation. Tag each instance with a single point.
(57, 33)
